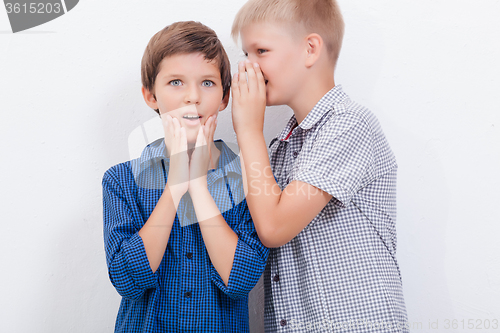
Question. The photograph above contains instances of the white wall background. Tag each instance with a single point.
(70, 98)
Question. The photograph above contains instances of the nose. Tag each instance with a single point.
(192, 95)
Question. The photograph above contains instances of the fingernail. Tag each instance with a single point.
(247, 61)
(255, 65)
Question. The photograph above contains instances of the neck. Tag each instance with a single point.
(315, 86)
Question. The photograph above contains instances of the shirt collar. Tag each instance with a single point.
(332, 100)
(327, 103)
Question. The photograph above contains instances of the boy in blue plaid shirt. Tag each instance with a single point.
(181, 248)
(328, 208)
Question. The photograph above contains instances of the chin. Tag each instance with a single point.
(191, 137)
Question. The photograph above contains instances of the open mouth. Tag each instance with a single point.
(191, 117)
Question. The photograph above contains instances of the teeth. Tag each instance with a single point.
(191, 117)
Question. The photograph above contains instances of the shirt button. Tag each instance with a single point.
(295, 154)
(276, 278)
(283, 322)
(187, 294)
(189, 255)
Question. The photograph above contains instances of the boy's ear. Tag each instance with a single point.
(225, 101)
(149, 98)
(314, 48)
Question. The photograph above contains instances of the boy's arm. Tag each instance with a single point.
(220, 240)
(237, 255)
(127, 262)
(156, 231)
(278, 215)
(222, 243)
(134, 255)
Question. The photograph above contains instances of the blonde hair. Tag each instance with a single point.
(314, 16)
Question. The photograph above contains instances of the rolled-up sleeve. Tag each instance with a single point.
(127, 262)
(249, 260)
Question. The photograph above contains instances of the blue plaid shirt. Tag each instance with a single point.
(186, 293)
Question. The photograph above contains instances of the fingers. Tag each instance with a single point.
(256, 81)
(210, 126)
(242, 78)
(206, 127)
(261, 82)
(235, 87)
(183, 138)
(168, 123)
(200, 139)
(212, 132)
(177, 127)
(210, 138)
(176, 138)
(252, 76)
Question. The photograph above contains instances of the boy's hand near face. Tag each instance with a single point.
(249, 98)
(278, 215)
(176, 142)
(190, 174)
(201, 158)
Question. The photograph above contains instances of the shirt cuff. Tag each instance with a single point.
(138, 263)
(247, 268)
(341, 196)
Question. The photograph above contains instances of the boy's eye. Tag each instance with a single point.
(175, 83)
(260, 51)
(207, 83)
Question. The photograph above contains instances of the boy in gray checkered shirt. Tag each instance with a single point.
(328, 208)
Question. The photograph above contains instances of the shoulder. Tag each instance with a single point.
(348, 118)
(118, 171)
(119, 175)
(128, 172)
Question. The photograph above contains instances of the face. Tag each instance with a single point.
(188, 88)
(280, 57)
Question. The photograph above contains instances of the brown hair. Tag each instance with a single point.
(184, 38)
(313, 16)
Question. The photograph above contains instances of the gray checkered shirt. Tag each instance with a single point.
(340, 273)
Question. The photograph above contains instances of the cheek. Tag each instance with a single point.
(175, 113)
(213, 102)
